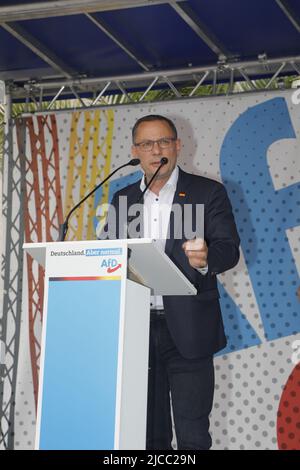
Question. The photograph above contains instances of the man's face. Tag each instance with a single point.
(150, 159)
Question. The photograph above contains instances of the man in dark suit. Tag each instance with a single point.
(185, 331)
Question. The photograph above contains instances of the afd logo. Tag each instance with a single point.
(111, 265)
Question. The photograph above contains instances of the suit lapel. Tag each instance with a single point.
(176, 226)
(132, 199)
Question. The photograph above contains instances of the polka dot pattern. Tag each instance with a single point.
(251, 143)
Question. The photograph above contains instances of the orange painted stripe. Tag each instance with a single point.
(86, 278)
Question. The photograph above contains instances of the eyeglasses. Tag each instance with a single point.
(147, 145)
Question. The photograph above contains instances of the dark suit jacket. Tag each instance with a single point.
(195, 322)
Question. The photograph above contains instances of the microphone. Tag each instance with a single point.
(130, 219)
(163, 161)
(63, 228)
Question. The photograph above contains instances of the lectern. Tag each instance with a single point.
(95, 338)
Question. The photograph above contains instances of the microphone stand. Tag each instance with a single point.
(163, 162)
(63, 228)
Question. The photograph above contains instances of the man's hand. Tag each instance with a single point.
(196, 250)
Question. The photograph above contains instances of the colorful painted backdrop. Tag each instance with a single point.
(251, 144)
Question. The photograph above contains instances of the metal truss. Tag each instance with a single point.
(120, 42)
(10, 15)
(188, 15)
(98, 90)
(12, 266)
(41, 217)
(39, 49)
(50, 8)
(290, 14)
(63, 82)
(39, 221)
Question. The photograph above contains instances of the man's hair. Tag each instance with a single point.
(153, 117)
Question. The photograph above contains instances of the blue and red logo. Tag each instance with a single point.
(111, 265)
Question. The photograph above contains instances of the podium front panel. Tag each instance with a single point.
(95, 340)
(78, 398)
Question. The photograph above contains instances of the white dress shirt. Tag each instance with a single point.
(157, 210)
